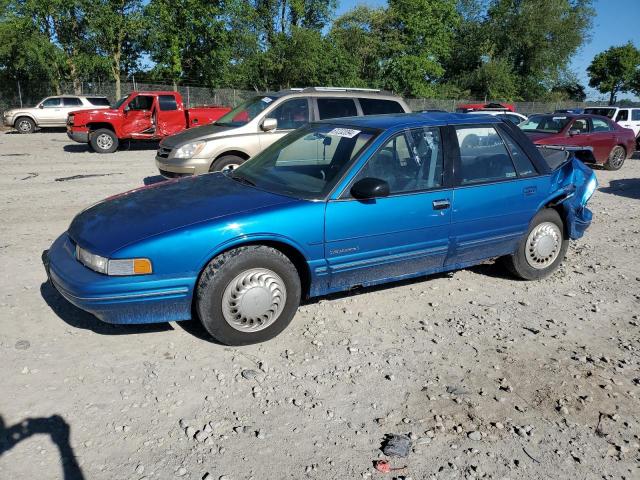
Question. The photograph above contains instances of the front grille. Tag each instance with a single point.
(163, 152)
(167, 174)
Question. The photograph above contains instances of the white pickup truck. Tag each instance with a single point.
(51, 112)
(625, 117)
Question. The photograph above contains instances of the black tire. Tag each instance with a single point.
(616, 158)
(222, 273)
(518, 262)
(103, 140)
(226, 162)
(24, 125)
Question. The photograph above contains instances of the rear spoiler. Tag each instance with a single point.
(558, 155)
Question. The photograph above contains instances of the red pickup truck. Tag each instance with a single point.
(139, 116)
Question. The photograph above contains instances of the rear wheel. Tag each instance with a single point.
(25, 125)
(542, 249)
(103, 140)
(616, 158)
(248, 295)
(226, 162)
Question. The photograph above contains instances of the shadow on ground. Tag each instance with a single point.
(125, 146)
(56, 428)
(624, 187)
(154, 179)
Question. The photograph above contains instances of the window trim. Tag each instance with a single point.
(457, 167)
(345, 194)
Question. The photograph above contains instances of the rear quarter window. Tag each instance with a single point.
(167, 102)
(374, 106)
(71, 102)
(98, 101)
(635, 115)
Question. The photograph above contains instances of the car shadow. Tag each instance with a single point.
(77, 148)
(56, 428)
(152, 180)
(125, 146)
(624, 187)
(78, 318)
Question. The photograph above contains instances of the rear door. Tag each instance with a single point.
(602, 138)
(404, 234)
(69, 104)
(496, 194)
(634, 123)
(170, 116)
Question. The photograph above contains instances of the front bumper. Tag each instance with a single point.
(181, 167)
(80, 136)
(122, 300)
(8, 121)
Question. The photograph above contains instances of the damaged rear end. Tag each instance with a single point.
(575, 183)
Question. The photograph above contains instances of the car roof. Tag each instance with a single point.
(335, 93)
(411, 120)
(76, 96)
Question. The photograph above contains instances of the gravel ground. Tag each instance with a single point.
(488, 376)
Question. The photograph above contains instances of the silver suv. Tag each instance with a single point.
(258, 122)
(51, 112)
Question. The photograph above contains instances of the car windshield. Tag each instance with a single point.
(119, 103)
(306, 163)
(605, 112)
(245, 112)
(545, 123)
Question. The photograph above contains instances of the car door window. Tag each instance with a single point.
(523, 164)
(99, 101)
(483, 156)
(167, 103)
(141, 102)
(623, 116)
(291, 114)
(71, 102)
(374, 106)
(581, 125)
(600, 125)
(635, 115)
(336, 108)
(51, 103)
(409, 162)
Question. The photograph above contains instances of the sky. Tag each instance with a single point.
(616, 22)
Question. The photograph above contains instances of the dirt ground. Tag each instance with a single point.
(489, 376)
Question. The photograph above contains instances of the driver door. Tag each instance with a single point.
(401, 235)
(139, 117)
(290, 114)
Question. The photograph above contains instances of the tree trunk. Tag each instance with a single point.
(612, 97)
(115, 69)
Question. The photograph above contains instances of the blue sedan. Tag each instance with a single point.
(331, 206)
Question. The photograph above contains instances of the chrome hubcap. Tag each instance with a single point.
(543, 245)
(104, 141)
(231, 166)
(24, 126)
(254, 300)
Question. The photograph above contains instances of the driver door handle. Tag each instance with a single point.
(441, 204)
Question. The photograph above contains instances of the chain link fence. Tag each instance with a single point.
(197, 96)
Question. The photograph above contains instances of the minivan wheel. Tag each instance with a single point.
(226, 162)
(248, 295)
(25, 125)
(616, 158)
(541, 249)
(103, 140)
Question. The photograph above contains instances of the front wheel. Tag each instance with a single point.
(248, 295)
(542, 249)
(226, 162)
(103, 140)
(616, 158)
(25, 125)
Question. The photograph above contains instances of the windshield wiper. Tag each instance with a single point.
(240, 179)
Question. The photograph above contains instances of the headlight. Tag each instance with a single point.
(115, 267)
(189, 150)
(589, 189)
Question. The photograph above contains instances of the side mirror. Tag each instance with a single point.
(126, 109)
(574, 131)
(41, 106)
(368, 188)
(269, 124)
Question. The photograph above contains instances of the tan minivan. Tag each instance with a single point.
(258, 122)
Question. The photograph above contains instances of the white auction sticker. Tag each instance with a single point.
(267, 100)
(344, 132)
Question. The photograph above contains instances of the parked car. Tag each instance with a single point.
(513, 117)
(259, 122)
(611, 144)
(472, 107)
(626, 117)
(138, 116)
(334, 205)
(51, 112)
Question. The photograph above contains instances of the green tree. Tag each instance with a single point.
(616, 70)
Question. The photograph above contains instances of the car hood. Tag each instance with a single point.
(96, 111)
(196, 133)
(133, 216)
